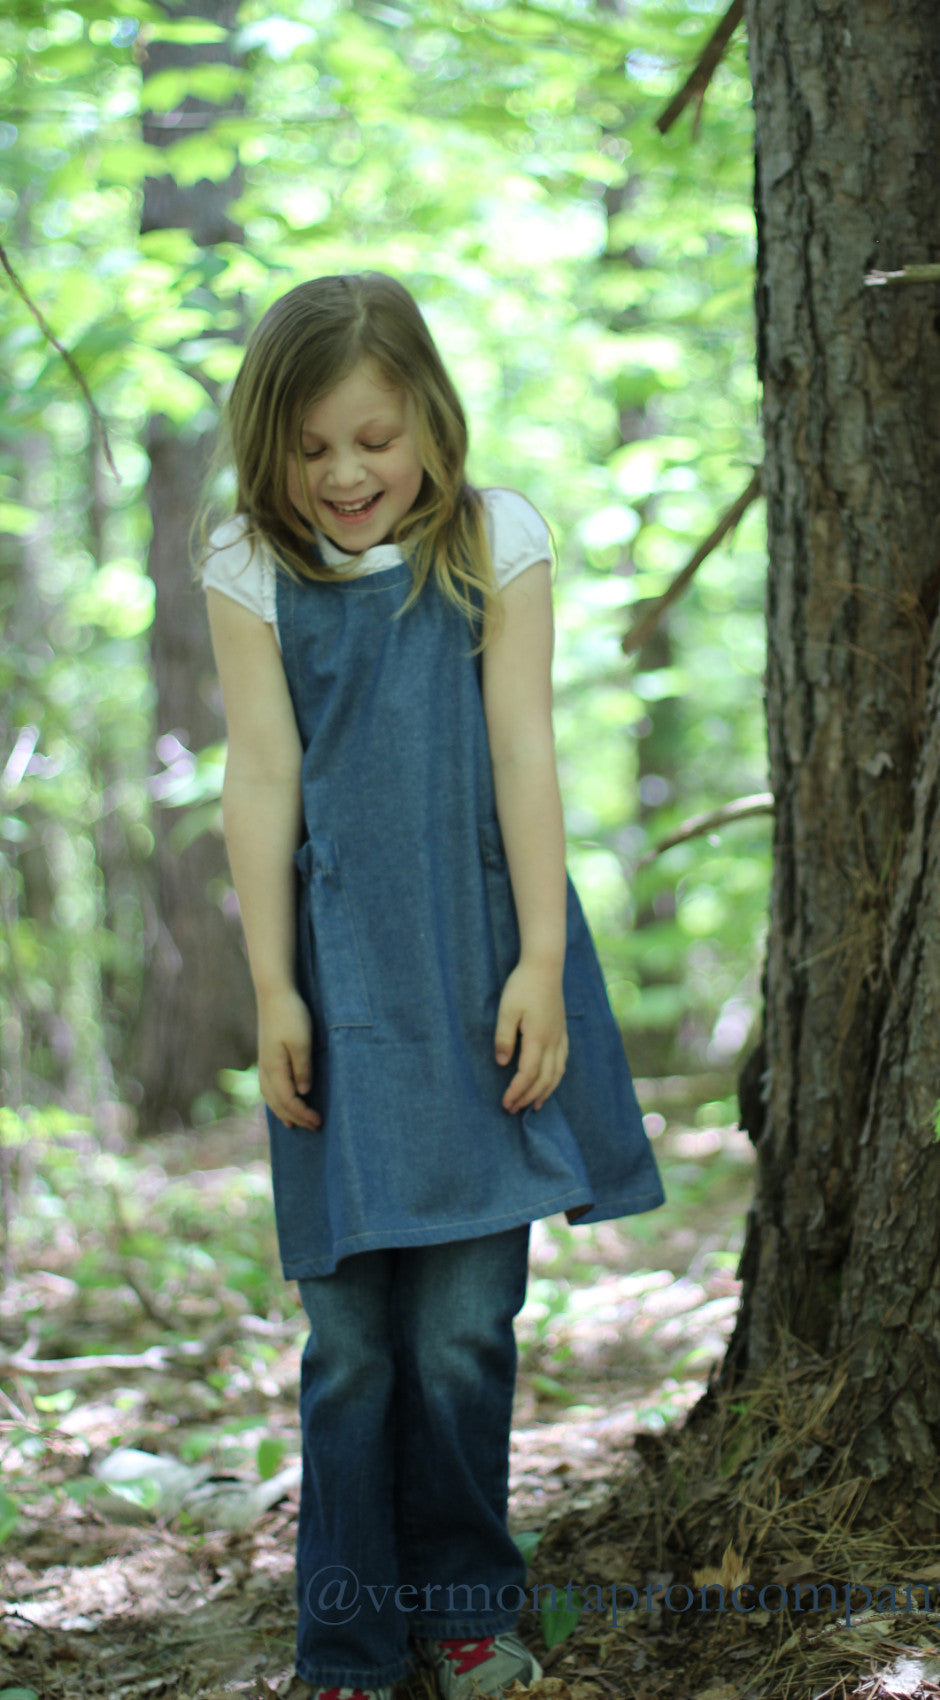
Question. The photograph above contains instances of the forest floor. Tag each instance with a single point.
(151, 1267)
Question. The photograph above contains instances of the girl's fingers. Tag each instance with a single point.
(279, 1093)
(504, 1039)
(552, 1071)
(301, 1113)
(540, 1070)
(298, 1057)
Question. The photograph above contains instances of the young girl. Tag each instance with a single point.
(436, 1049)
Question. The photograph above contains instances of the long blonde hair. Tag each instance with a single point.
(307, 343)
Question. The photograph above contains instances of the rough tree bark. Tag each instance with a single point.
(197, 1013)
(841, 1247)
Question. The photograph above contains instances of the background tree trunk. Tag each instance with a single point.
(841, 1240)
(197, 1013)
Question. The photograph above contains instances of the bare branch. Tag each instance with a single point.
(907, 274)
(694, 86)
(182, 1355)
(155, 1357)
(761, 803)
(642, 631)
(98, 423)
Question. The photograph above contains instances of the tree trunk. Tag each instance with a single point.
(656, 736)
(841, 1240)
(197, 1013)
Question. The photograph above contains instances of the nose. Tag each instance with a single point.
(347, 469)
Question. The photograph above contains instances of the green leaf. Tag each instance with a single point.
(144, 1491)
(268, 1457)
(169, 390)
(561, 1620)
(527, 1540)
(200, 156)
(166, 90)
(120, 599)
(129, 161)
(84, 1488)
(9, 1515)
(16, 519)
(187, 30)
(103, 10)
(61, 1401)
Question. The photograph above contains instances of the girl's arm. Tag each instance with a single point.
(517, 699)
(261, 815)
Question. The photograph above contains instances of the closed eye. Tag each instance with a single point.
(370, 448)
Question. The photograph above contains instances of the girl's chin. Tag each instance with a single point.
(353, 532)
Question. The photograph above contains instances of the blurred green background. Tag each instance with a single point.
(589, 281)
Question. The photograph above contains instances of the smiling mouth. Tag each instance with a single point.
(355, 510)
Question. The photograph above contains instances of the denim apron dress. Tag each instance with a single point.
(406, 934)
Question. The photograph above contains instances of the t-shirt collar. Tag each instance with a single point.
(380, 555)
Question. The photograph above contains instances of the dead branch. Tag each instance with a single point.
(177, 1356)
(98, 424)
(642, 631)
(20, 1363)
(761, 803)
(696, 84)
(907, 274)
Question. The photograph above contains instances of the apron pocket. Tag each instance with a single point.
(505, 925)
(340, 985)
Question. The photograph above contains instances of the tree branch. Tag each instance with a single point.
(697, 83)
(907, 274)
(182, 1355)
(761, 803)
(98, 423)
(642, 631)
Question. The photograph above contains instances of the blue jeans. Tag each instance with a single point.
(406, 1394)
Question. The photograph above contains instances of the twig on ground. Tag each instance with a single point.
(181, 1355)
(18, 1415)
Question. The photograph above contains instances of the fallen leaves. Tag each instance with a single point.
(730, 1574)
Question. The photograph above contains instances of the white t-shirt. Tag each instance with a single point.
(518, 537)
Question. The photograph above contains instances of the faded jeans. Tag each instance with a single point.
(407, 1384)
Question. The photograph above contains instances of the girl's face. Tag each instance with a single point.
(361, 472)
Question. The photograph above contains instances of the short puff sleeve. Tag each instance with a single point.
(519, 536)
(242, 570)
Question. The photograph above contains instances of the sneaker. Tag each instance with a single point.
(351, 1694)
(466, 1668)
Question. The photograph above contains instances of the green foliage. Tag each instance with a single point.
(589, 281)
(9, 1515)
(269, 1457)
(527, 1541)
(98, 1207)
(561, 1619)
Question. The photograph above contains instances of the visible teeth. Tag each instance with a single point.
(352, 507)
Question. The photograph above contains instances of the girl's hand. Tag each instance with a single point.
(284, 1056)
(532, 1007)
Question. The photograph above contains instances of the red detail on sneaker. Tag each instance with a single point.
(339, 1693)
(466, 1655)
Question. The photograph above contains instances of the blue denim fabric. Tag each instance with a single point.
(407, 931)
(406, 1400)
